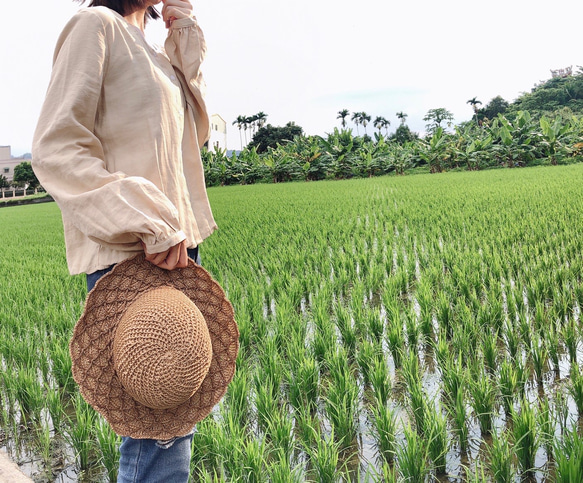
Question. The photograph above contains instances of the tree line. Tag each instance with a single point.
(517, 141)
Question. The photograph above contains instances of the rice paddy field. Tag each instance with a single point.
(417, 328)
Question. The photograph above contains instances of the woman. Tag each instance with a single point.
(118, 147)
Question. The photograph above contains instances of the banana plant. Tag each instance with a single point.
(339, 149)
(436, 152)
(515, 142)
(553, 136)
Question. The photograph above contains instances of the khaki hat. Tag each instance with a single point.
(154, 350)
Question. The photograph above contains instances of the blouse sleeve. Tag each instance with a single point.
(112, 209)
(186, 48)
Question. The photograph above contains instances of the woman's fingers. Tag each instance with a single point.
(175, 9)
(175, 257)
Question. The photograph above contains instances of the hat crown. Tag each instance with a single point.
(162, 348)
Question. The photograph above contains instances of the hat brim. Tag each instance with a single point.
(92, 343)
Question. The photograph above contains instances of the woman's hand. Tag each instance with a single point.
(174, 257)
(175, 9)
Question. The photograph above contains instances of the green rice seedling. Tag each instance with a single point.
(546, 426)
(511, 339)
(522, 375)
(490, 348)
(346, 329)
(375, 324)
(384, 432)
(304, 384)
(380, 380)
(540, 356)
(490, 314)
(108, 443)
(442, 350)
(280, 435)
(237, 395)
(500, 455)
(445, 315)
(569, 457)
(412, 328)
(80, 432)
(8, 378)
(366, 356)
(339, 368)
(419, 406)
(438, 440)
(463, 340)
(576, 387)
(570, 335)
(459, 415)
(342, 408)
(561, 412)
(205, 476)
(281, 471)
(396, 341)
(228, 441)
(30, 393)
(270, 368)
(525, 436)
(483, 400)
(54, 405)
(477, 475)
(307, 428)
(424, 297)
(412, 458)
(524, 329)
(44, 439)
(563, 301)
(324, 457)
(252, 457)
(411, 371)
(61, 366)
(265, 404)
(245, 328)
(540, 321)
(453, 380)
(204, 447)
(553, 347)
(387, 474)
(324, 341)
(507, 384)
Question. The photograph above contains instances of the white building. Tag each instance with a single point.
(218, 133)
(7, 163)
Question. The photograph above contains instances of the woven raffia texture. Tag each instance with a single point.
(91, 348)
(162, 349)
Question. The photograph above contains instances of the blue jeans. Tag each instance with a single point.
(148, 460)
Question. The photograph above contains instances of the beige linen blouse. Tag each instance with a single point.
(118, 140)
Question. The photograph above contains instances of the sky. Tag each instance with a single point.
(303, 61)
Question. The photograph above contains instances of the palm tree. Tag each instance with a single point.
(380, 122)
(246, 125)
(357, 119)
(261, 119)
(364, 119)
(343, 114)
(239, 122)
(252, 120)
(474, 103)
(402, 116)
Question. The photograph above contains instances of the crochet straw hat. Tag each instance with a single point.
(154, 349)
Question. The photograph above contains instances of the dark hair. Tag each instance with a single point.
(124, 7)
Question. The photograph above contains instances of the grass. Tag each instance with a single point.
(363, 306)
